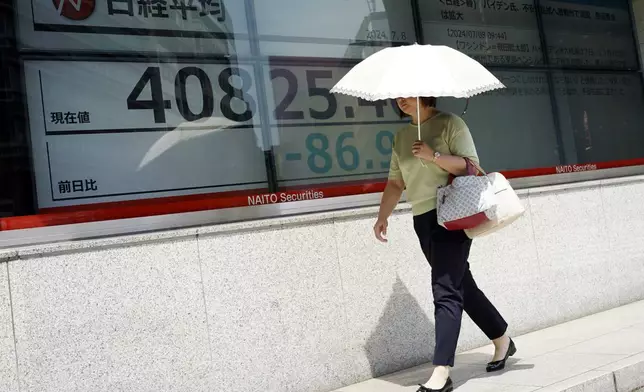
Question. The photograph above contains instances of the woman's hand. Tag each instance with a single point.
(380, 230)
(421, 150)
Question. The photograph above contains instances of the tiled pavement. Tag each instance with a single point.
(599, 353)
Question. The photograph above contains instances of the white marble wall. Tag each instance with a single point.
(8, 369)
(309, 303)
(125, 319)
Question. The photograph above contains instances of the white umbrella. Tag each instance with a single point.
(417, 71)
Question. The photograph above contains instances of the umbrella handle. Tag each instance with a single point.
(418, 125)
(467, 104)
(418, 116)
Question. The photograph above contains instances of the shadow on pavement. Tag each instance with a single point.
(512, 365)
(404, 336)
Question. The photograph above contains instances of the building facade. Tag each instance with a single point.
(186, 207)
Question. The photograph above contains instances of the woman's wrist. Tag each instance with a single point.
(453, 164)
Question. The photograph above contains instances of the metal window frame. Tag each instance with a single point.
(121, 227)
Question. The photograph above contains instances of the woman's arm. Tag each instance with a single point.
(450, 163)
(390, 198)
(461, 145)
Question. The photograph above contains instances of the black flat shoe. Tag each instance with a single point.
(500, 365)
(448, 387)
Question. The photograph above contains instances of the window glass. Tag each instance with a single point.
(589, 33)
(124, 108)
(604, 112)
(193, 27)
(146, 124)
(513, 128)
(493, 32)
(549, 117)
(105, 131)
(15, 169)
(321, 137)
(333, 28)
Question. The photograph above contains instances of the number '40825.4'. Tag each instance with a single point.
(158, 105)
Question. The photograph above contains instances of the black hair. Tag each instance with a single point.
(424, 101)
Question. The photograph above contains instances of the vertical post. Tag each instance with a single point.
(551, 85)
(260, 82)
(16, 173)
(636, 41)
(634, 29)
(418, 24)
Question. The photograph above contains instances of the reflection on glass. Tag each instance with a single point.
(492, 32)
(603, 112)
(319, 137)
(204, 27)
(513, 127)
(333, 28)
(594, 34)
(107, 130)
(142, 99)
(112, 131)
(326, 138)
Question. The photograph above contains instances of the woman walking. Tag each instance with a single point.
(420, 167)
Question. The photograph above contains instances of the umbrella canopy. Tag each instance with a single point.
(417, 71)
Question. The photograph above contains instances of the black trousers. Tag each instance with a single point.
(454, 287)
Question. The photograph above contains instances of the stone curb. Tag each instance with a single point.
(626, 375)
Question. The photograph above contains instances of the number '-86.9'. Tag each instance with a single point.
(320, 159)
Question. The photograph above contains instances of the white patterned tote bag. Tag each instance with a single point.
(508, 208)
(462, 203)
(479, 205)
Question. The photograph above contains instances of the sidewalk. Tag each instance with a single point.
(599, 353)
